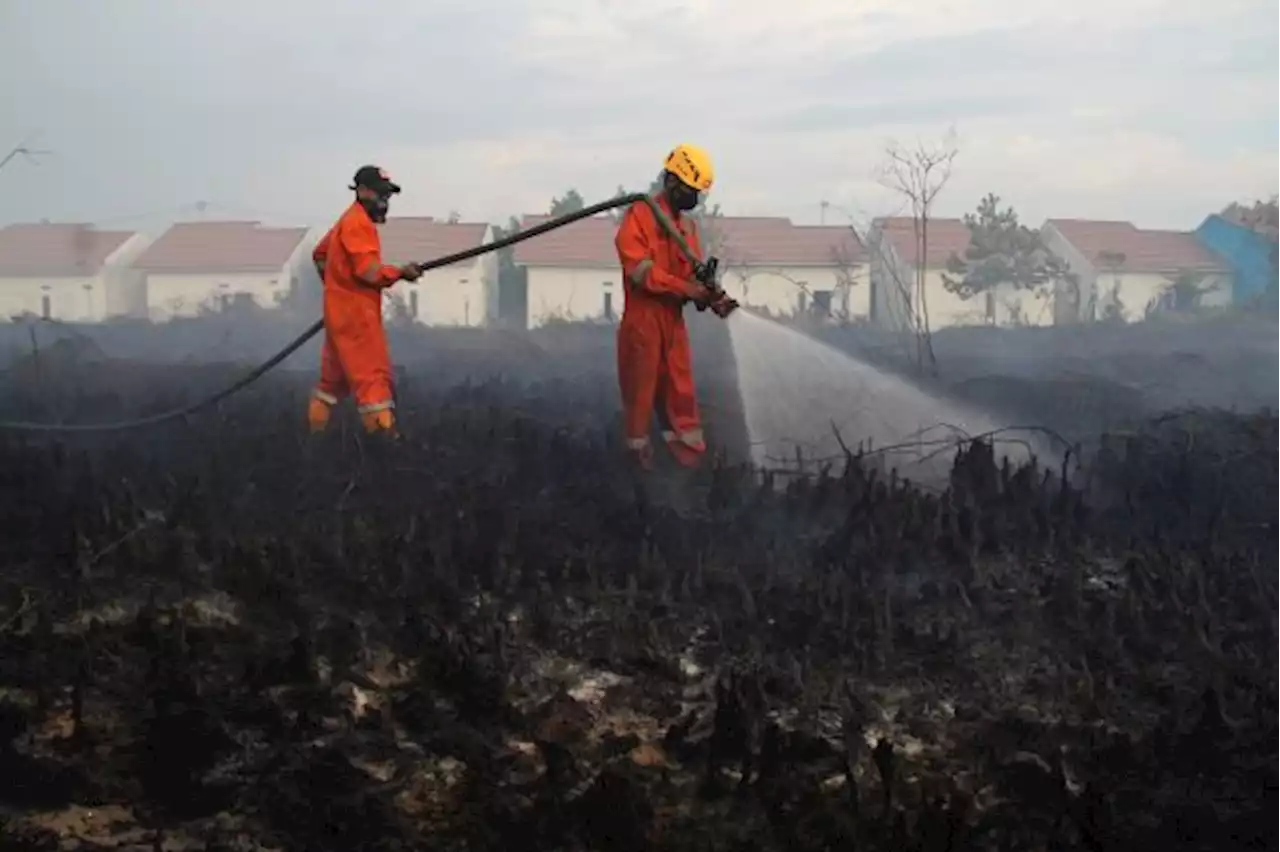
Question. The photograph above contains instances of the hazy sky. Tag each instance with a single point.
(1158, 111)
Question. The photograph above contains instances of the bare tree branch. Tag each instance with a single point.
(24, 149)
(918, 175)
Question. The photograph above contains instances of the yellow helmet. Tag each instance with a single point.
(692, 165)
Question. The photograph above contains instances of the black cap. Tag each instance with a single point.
(372, 177)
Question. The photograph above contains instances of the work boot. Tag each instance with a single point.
(641, 458)
(382, 423)
(318, 414)
(687, 457)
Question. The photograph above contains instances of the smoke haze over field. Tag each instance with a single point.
(1155, 111)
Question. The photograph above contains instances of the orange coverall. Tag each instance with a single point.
(355, 358)
(655, 366)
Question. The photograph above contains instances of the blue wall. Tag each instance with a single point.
(1249, 256)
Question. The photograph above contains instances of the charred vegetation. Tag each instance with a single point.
(228, 636)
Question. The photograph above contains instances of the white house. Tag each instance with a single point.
(770, 264)
(571, 273)
(69, 272)
(904, 279)
(773, 265)
(196, 267)
(461, 294)
(1126, 272)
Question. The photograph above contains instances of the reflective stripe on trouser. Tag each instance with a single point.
(379, 416)
(692, 438)
(654, 369)
(641, 452)
(688, 447)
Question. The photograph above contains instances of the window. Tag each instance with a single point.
(822, 302)
(608, 306)
(413, 303)
(46, 307)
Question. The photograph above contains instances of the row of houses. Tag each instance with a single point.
(76, 273)
(1118, 271)
(768, 263)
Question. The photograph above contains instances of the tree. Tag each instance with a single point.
(1113, 262)
(31, 155)
(846, 276)
(512, 287)
(714, 241)
(397, 311)
(1183, 292)
(1263, 218)
(570, 202)
(616, 213)
(454, 217)
(918, 176)
(1002, 252)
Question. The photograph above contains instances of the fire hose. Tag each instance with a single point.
(705, 274)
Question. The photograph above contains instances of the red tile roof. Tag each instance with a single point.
(736, 240)
(1143, 250)
(587, 242)
(197, 247)
(56, 249)
(777, 242)
(406, 239)
(945, 238)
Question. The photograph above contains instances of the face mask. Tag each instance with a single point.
(376, 208)
(683, 198)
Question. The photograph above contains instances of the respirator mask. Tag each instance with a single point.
(376, 206)
(683, 197)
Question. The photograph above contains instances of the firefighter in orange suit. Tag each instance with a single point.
(655, 369)
(355, 359)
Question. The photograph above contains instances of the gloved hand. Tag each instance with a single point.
(701, 295)
(723, 306)
(410, 272)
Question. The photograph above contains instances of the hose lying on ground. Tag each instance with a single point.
(297, 343)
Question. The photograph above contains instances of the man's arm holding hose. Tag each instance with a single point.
(635, 242)
(362, 243)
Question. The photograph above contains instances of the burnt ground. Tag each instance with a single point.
(223, 635)
(1087, 378)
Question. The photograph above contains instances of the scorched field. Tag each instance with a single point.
(223, 635)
